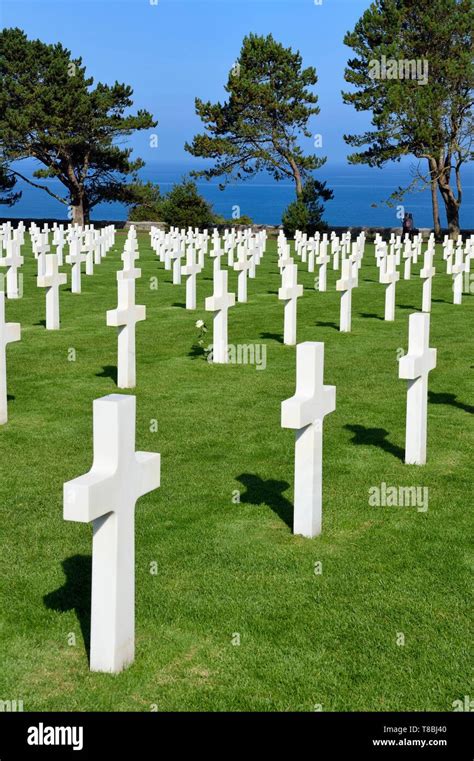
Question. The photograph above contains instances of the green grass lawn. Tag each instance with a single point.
(224, 568)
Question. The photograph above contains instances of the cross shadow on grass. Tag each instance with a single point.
(108, 371)
(10, 398)
(75, 594)
(179, 304)
(375, 437)
(371, 315)
(322, 324)
(261, 492)
(407, 306)
(272, 337)
(40, 323)
(449, 399)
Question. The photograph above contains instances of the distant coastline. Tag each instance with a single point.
(356, 189)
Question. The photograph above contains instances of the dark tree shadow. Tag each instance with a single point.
(75, 594)
(375, 437)
(371, 315)
(41, 324)
(108, 371)
(179, 304)
(261, 492)
(322, 324)
(450, 399)
(272, 337)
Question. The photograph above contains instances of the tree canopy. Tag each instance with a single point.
(182, 207)
(269, 105)
(306, 213)
(50, 111)
(7, 183)
(420, 90)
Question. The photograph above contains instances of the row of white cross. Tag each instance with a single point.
(387, 262)
(171, 247)
(107, 495)
(49, 277)
(242, 250)
(86, 245)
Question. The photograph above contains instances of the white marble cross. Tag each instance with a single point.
(88, 251)
(335, 251)
(347, 282)
(96, 243)
(130, 254)
(219, 303)
(125, 318)
(216, 254)
(285, 258)
(75, 258)
(458, 269)
(448, 255)
(191, 269)
(106, 496)
(407, 254)
(290, 292)
(427, 274)
(390, 277)
(230, 254)
(51, 280)
(9, 332)
(176, 256)
(13, 261)
(59, 241)
(312, 246)
(41, 249)
(305, 412)
(242, 266)
(415, 367)
(128, 258)
(323, 260)
(253, 259)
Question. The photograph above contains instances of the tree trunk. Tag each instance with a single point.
(452, 215)
(434, 201)
(451, 203)
(296, 175)
(452, 209)
(299, 183)
(79, 212)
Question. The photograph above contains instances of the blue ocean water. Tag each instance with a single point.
(359, 195)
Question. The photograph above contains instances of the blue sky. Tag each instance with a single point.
(174, 50)
(171, 51)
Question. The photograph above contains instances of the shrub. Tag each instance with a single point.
(147, 206)
(306, 213)
(183, 207)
